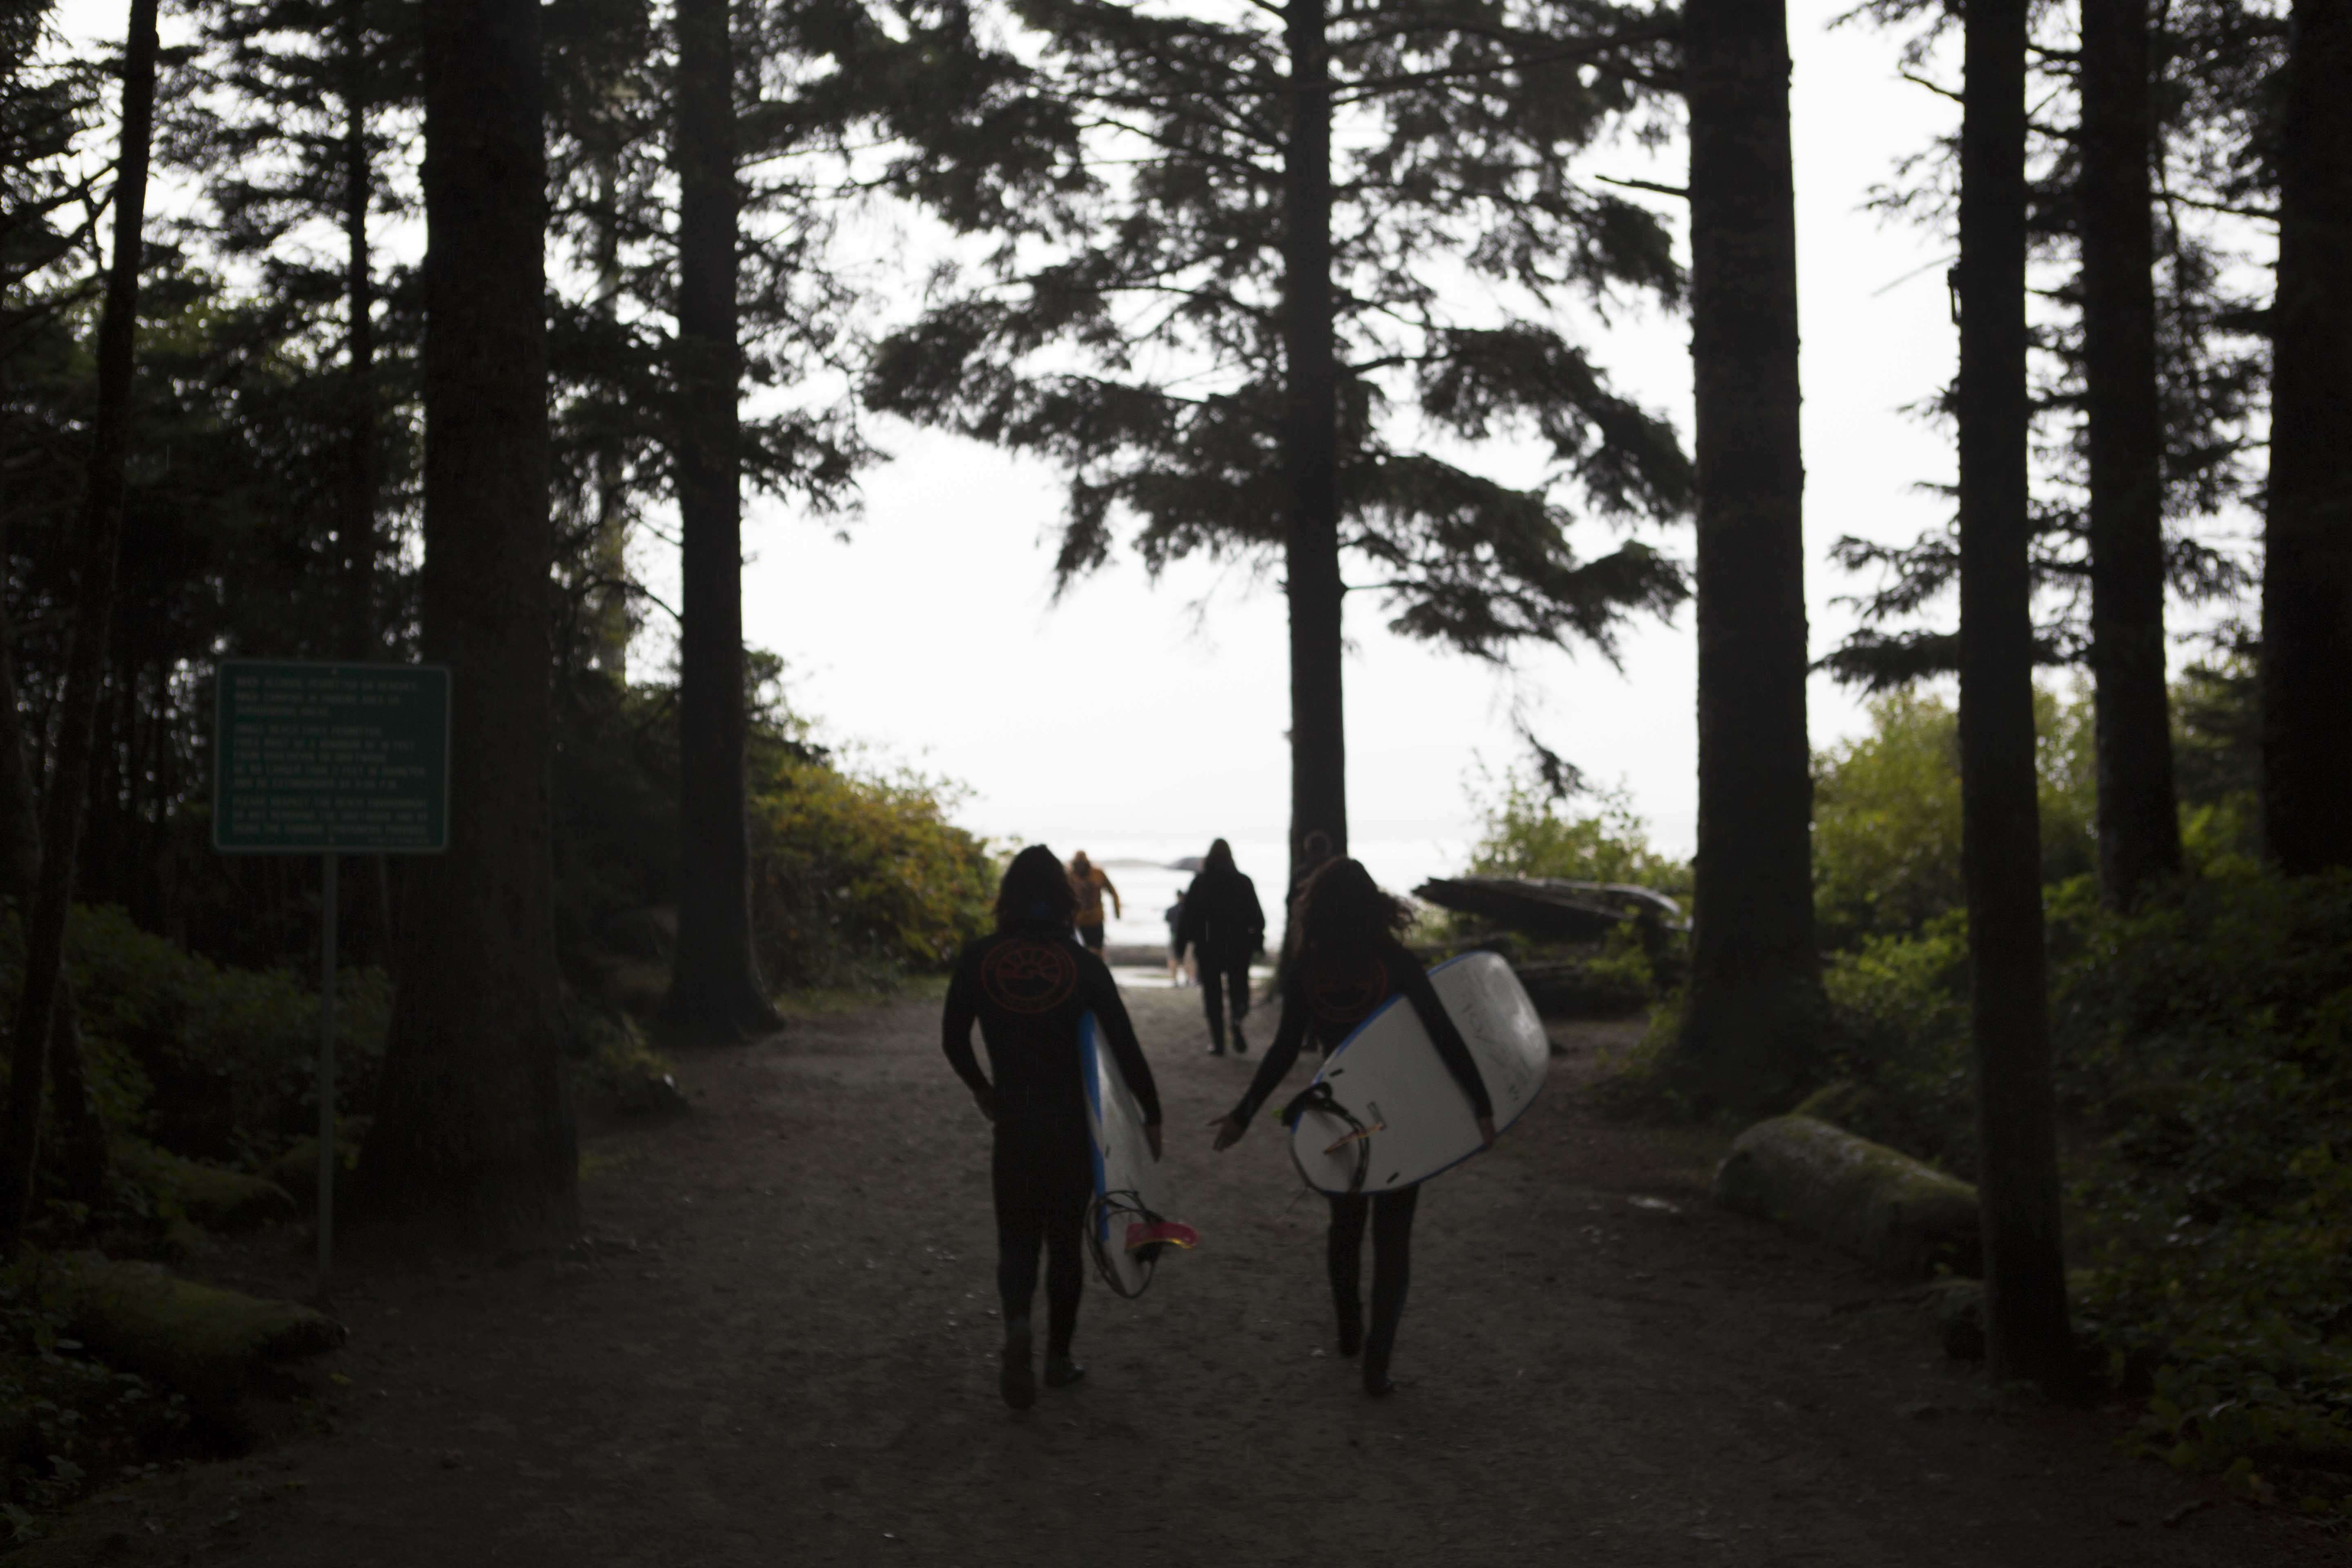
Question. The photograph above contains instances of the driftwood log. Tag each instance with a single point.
(1549, 907)
(1864, 1198)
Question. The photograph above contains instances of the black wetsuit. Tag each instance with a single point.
(1327, 996)
(1223, 923)
(1028, 987)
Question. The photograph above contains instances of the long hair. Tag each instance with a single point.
(1221, 858)
(1036, 890)
(1341, 909)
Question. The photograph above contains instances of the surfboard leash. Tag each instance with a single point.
(1317, 1096)
(1146, 1232)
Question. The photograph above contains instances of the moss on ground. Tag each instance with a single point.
(205, 1342)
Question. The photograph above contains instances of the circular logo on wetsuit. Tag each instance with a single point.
(1027, 977)
(1346, 995)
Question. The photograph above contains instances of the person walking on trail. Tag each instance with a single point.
(1088, 883)
(1179, 973)
(1029, 985)
(1345, 960)
(1223, 925)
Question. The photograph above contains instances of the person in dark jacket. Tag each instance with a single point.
(1344, 959)
(1223, 925)
(1028, 987)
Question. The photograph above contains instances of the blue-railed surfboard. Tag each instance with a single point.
(1128, 1192)
(1385, 1113)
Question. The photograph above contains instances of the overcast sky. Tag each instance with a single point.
(1133, 710)
(1135, 713)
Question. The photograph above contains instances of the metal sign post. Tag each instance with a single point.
(329, 760)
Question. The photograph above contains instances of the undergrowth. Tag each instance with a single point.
(2203, 1052)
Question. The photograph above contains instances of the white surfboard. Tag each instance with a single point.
(1396, 1115)
(1126, 1178)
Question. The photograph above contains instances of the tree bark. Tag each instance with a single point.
(473, 1142)
(1317, 597)
(370, 937)
(2306, 660)
(1755, 1009)
(608, 599)
(82, 1152)
(100, 529)
(2025, 1278)
(715, 985)
(359, 638)
(2139, 822)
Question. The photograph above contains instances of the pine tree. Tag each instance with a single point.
(2206, 63)
(2139, 822)
(301, 145)
(715, 985)
(2306, 659)
(2025, 1275)
(1249, 296)
(100, 534)
(1754, 1008)
(473, 1141)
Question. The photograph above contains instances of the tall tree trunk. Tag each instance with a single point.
(2306, 664)
(82, 1153)
(2139, 822)
(368, 937)
(715, 985)
(608, 556)
(1318, 737)
(358, 533)
(2026, 1274)
(473, 1141)
(1754, 1010)
(101, 530)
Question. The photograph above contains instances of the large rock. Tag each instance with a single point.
(1864, 1198)
(208, 1343)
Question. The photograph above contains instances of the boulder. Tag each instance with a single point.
(1881, 1205)
(208, 1343)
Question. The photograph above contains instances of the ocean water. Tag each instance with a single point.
(1144, 871)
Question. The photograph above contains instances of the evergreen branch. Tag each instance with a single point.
(1937, 88)
(1367, 87)
(1184, 148)
(1683, 192)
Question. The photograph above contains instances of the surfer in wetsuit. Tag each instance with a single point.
(1088, 883)
(1223, 924)
(1028, 985)
(1345, 958)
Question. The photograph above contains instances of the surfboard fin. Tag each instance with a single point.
(1161, 1232)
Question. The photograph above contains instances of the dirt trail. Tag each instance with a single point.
(777, 1349)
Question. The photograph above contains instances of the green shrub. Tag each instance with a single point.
(67, 1424)
(1887, 813)
(1525, 832)
(211, 1061)
(859, 878)
(1902, 1042)
(2203, 1060)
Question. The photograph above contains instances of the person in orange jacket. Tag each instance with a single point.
(1088, 883)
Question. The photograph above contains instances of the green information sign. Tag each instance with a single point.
(319, 758)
